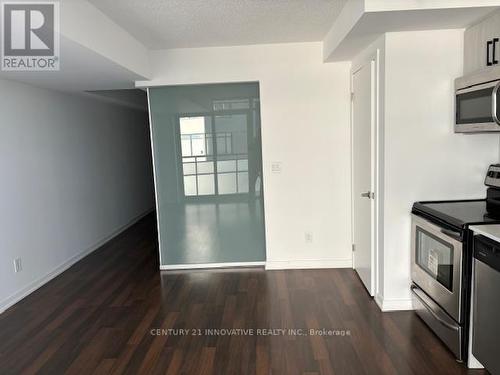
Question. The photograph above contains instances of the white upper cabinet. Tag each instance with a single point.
(482, 45)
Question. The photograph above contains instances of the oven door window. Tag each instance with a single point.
(474, 107)
(435, 256)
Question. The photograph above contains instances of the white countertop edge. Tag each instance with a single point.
(491, 231)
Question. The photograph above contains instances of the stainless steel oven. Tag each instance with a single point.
(436, 269)
(477, 100)
(441, 260)
(437, 264)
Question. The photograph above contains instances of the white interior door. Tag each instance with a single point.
(363, 105)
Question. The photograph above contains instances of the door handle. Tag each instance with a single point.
(416, 293)
(368, 195)
(493, 57)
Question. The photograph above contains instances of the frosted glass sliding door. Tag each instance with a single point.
(208, 171)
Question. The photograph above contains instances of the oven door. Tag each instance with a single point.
(437, 264)
(476, 108)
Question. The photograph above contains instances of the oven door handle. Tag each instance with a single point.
(453, 234)
(416, 292)
(494, 103)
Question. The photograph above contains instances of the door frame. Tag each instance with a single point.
(372, 59)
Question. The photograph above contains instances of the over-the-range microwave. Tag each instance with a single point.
(477, 102)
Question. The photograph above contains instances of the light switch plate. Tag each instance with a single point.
(276, 167)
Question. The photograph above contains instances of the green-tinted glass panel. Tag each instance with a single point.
(208, 169)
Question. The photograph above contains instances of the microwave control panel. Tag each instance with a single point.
(493, 176)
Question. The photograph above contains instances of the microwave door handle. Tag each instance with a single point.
(494, 103)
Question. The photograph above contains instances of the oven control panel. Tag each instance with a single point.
(493, 176)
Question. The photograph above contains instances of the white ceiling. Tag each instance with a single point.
(161, 24)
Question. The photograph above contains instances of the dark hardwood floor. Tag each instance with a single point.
(103, 316)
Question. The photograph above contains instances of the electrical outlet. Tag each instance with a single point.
(18, 266)
(308, 237)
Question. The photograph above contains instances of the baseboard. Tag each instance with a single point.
(308, 264)
(395, 304)
(31, 287)
(210, 265)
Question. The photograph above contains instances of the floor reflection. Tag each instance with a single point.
(213, 232)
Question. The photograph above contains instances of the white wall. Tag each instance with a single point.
(86, 25)
(73, 171)
(305, 125)
(423, 158)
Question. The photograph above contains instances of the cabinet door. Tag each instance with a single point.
(475, 44)
(474, 59)
(490, 32)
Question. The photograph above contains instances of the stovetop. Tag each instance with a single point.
(459, 213)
